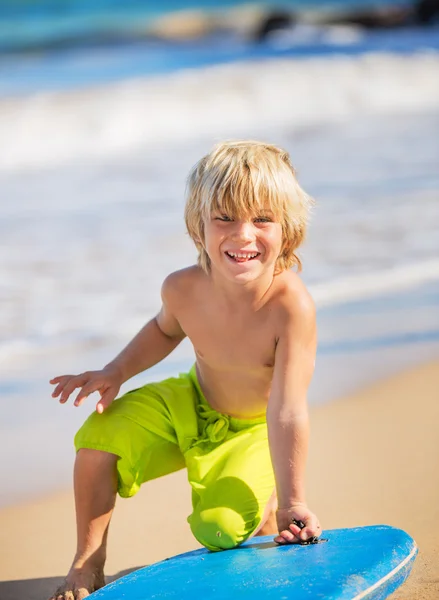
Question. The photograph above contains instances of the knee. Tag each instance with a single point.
(219, 528)
(92, 461)
(96, 456)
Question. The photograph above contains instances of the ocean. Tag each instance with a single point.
(96, 141)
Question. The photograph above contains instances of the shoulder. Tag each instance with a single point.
(292, 300)
(181, 282)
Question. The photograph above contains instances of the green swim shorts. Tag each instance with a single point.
(163, 427)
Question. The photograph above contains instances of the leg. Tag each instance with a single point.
(95, 482)
(234, 496)
(115, 453)
(268, 525)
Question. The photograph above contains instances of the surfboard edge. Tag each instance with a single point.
(406, 563)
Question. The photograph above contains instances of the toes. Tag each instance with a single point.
(80, 586)
(77, 594)
(59, 594)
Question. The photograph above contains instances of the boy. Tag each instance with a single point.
(241, 412)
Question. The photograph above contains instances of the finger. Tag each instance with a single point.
(310, 528)
(61, 383)
(309, 533)
(56, 392)
(288, 537)
(279, 540)
(106, 399)
(295, 529)
(59, 388)
(86, 390)
(72, 385)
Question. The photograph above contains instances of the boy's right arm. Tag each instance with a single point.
(152, 344)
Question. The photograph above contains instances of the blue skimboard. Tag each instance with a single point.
(361, 563)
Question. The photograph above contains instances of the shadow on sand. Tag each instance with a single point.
(40, 589)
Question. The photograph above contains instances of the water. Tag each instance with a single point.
(88, 65)
(92, 182)
(29, 25)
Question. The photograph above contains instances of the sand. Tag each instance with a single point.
(374, 459)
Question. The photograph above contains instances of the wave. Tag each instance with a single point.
(49, 129)
(343, 290)
(367, 286)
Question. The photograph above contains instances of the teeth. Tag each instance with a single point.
(241, 255)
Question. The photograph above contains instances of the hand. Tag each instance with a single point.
(292, 534)
(107, 382)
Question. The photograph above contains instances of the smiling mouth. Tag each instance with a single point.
(241, 257)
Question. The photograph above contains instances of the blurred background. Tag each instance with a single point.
(104, 108)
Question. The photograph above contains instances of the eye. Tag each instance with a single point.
(263, 220)
(223, 218)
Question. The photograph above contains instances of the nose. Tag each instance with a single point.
(243, 231)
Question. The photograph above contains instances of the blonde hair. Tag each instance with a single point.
(240, 178)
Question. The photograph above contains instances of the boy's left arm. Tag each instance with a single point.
(287, 418)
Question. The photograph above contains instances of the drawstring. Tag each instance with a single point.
(215, 426)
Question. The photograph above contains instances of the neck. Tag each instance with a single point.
(249, 294)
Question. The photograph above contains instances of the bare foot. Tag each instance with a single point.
(79, 584)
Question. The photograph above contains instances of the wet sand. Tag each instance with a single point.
(374, 459)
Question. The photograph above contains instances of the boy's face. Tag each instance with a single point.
(245, 248)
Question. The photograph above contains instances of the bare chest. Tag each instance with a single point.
(231, 341)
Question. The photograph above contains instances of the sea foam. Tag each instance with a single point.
(48, 129)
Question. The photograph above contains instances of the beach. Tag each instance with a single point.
(98, 139)
(374, 459)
